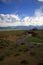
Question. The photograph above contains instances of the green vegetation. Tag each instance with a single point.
(32, 53)
(3, 43)
(17, 54)
(32, 46)
(2, 58)
(23, 53)
(34, 39)
(13, 32)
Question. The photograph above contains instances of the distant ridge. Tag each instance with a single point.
(21, 27)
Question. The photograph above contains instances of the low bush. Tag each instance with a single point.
(2, 58)
(16, 46)
(32, 47)
(40, 64)
(20, 50)
(24, 62)
(25, 50)
(22, 43)
(32, 53)
(17, 54)
(8, 53)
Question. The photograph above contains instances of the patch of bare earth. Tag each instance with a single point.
(13, 38)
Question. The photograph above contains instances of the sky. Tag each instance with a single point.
(21, 13)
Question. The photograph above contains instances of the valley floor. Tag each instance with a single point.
(21, 47)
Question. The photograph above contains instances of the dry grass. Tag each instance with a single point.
(20, 54)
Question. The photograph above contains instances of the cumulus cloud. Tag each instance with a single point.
(33, 21)
(9, 17)
(9, 20)
(38, 12)
(40, 0)
(15, 20)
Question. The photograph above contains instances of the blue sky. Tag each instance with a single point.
(21, 8)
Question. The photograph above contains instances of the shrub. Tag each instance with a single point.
(2, 58)
(16, 46)
(20, 50)
(34, 34)
(17, 54)
(40, 64)
(25, 50)
(32, 47)
(34, 29)
(22, 43)
(4, 43)
(35, 44)
(24, 62)
(32, 53)
(8, 53)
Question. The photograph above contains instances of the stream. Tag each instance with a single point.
(22, 40)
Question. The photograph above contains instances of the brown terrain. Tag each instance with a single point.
(16, 50)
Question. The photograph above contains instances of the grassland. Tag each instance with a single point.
(37, 36)
(12, 53)
(34, 39)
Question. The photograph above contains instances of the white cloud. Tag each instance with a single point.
(9, 17)
(38, 12)
(34, 21)
(9, 20)
(15, 20)
(40, 0)
(15, 16)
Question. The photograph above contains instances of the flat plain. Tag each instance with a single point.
(21, 47)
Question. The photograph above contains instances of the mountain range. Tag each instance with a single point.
(21, 27)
